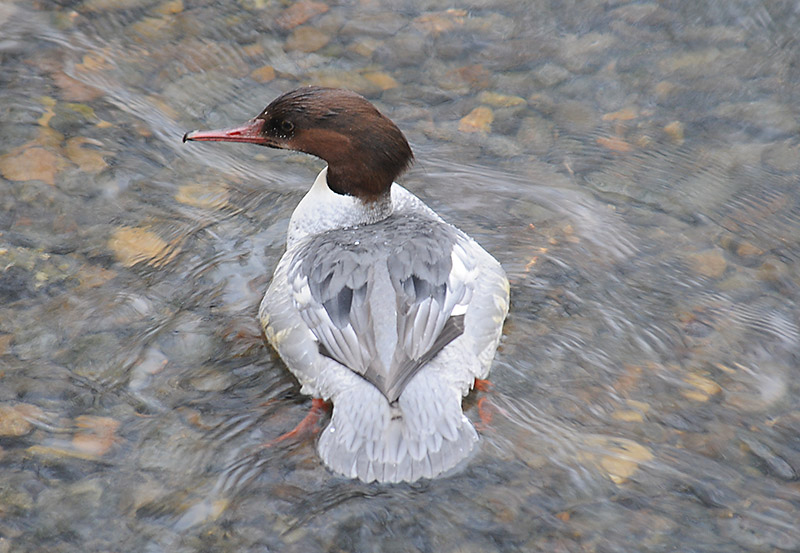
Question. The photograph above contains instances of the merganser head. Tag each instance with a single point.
(365, 151)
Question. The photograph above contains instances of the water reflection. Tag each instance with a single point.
(633, 166)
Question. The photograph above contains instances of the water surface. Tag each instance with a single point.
(633, 165)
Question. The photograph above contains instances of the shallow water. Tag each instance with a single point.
(634, 166)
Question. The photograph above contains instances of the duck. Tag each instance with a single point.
(378, 305)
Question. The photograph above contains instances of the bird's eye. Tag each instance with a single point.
(287, 126)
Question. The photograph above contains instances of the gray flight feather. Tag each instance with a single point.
(343, 282)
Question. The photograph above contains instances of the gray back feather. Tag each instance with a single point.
(334, 275)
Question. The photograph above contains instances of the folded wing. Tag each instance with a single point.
(336, 279)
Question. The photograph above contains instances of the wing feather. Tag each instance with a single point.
(334, 276)
(333, 311)
(433, 284)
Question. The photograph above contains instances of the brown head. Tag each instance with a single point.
(365, 151)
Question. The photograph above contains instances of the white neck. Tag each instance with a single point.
(322, 209)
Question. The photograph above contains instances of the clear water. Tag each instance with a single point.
(634, 166)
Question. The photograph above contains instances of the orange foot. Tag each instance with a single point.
(305, 426)
(485, 408)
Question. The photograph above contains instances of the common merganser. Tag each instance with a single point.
(378, 305)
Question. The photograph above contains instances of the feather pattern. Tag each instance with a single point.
(336, 278)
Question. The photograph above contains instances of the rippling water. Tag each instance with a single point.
(634, 166)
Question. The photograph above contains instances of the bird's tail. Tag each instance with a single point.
(422, 435)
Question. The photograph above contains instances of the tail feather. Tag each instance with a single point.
(421, 436)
